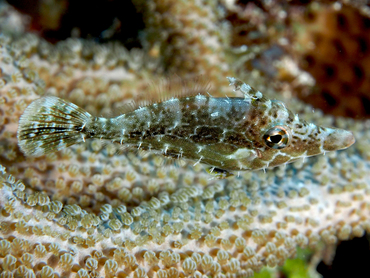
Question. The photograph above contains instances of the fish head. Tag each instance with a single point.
(284, 137)
(270, 134)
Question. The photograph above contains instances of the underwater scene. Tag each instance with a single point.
(184, 138)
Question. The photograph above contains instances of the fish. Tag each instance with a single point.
(227, 134)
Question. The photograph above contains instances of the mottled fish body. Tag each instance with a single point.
(229, 134)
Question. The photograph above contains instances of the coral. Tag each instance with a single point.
(187, 43)
(59, 19)
(328, 39)
(93, 210)
(323, 38)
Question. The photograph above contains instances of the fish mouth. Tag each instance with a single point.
(338, 139)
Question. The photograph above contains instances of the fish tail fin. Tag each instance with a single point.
(50, 124)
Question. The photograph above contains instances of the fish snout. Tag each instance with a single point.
(338, 139)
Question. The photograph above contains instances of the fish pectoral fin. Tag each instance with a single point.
(219, 173)
(244, 154)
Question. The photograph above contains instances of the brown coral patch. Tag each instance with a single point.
(335, 51)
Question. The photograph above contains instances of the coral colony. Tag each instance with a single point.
(95, 210)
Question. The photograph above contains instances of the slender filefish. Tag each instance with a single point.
(229, 134)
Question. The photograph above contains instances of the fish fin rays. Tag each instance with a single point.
(50, 124)
(173, 87)
(164, 89)
(218, 173)
(122, 108)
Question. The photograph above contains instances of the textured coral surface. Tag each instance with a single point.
(338, 58)
(93, 210)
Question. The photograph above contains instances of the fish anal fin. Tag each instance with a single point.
(219, 173)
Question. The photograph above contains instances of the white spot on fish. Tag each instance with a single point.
(200, 97)
(198, 161)
(245, 88)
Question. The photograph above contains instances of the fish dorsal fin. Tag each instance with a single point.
(248, 91)
(164, 89)
(173, 87)
(126, 107)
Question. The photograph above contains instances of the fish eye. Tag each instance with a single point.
(277, 137)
